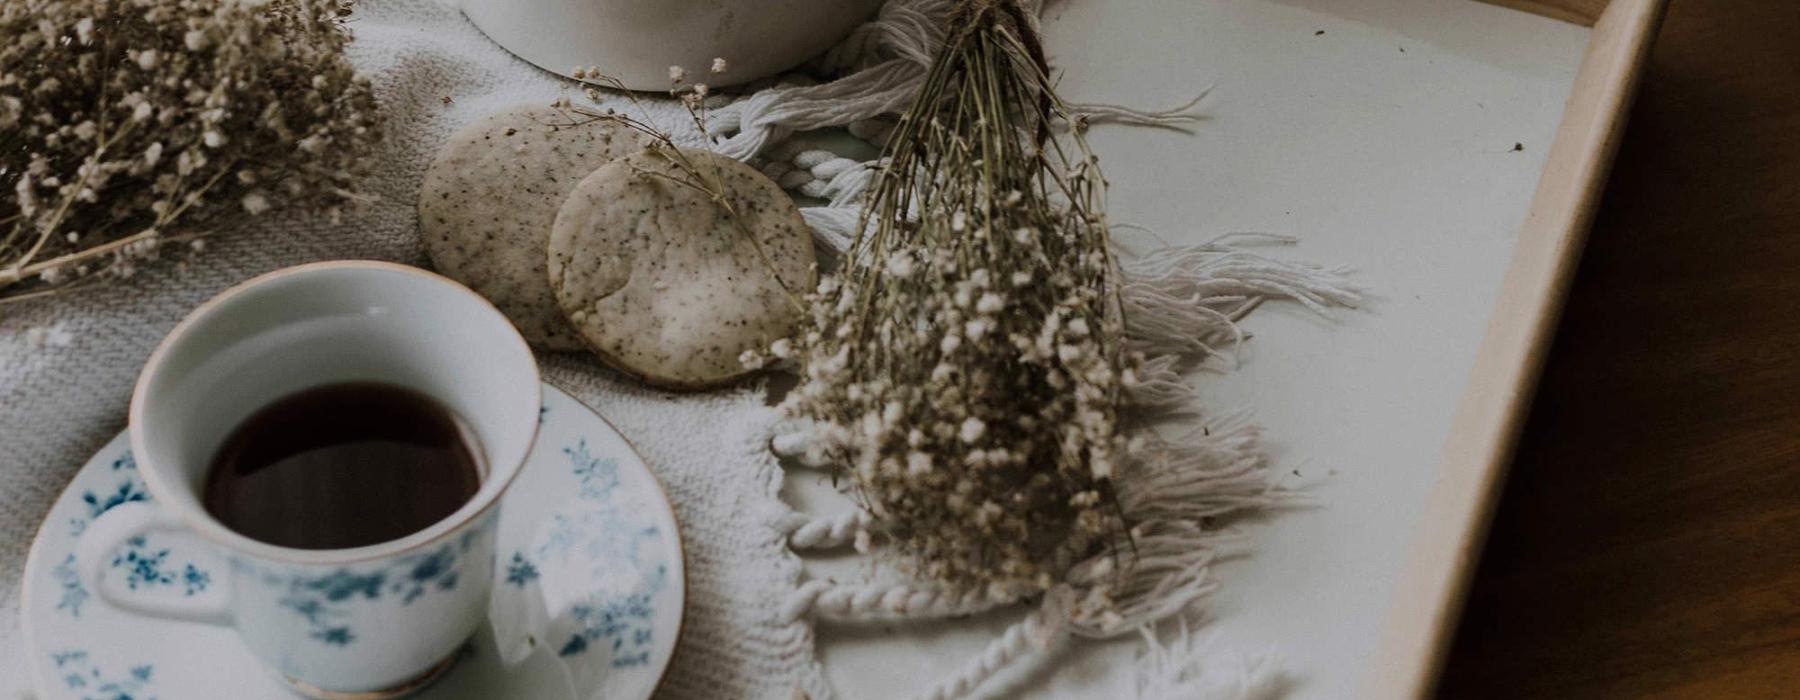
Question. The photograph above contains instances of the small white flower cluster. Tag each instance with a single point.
(693, 96)
(130, 125)
(968, 369)
(967, 364)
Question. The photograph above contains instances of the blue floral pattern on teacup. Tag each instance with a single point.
(142, 567)
(325, 601)
(140, 564)
(85, 650)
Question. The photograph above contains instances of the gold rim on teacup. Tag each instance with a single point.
(485, 499)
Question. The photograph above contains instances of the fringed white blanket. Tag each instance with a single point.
(748, 631)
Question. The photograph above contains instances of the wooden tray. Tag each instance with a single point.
(1453, 152)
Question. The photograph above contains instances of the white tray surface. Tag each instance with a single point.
(1384, 143)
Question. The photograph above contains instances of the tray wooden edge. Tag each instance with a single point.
(1582, 12)
(1490, 414)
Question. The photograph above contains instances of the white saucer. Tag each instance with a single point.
(82, 649)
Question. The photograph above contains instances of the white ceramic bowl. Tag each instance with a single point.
(637, 41)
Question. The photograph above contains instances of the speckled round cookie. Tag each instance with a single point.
(488, 200)
(659, 281)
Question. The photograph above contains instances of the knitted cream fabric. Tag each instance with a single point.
(433, 72)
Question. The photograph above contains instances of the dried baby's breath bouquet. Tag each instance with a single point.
(129, 125)
(968, 362)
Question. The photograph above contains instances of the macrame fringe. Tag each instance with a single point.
(823, 531)
(1170, 495)
(1188, 668)
(882, 63)
(1186, 300)
(774, 114)
(1160, 386)
(1206, 472)
(833, 228)
(887, 59)
(794, 638)
(1182, 305)
(882, 602)
(1178, 118)
(1181, 302)
(796, 443)
(1031, 636)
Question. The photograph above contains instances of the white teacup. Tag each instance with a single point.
(370, 621)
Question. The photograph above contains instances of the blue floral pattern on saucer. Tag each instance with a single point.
(126, 487)
(587, 540)
(81, 676)
(582, 476)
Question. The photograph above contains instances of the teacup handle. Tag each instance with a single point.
(113, 530)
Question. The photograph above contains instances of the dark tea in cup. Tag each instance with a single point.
(343, 465)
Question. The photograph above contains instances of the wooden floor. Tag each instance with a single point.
(1648, 541)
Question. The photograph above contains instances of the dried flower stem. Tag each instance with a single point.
(969, 360)
(127, 126)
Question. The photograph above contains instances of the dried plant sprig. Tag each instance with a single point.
(968, 362)
(126, 127)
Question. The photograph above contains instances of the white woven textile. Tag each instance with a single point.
(748, 625)
(433, 72)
